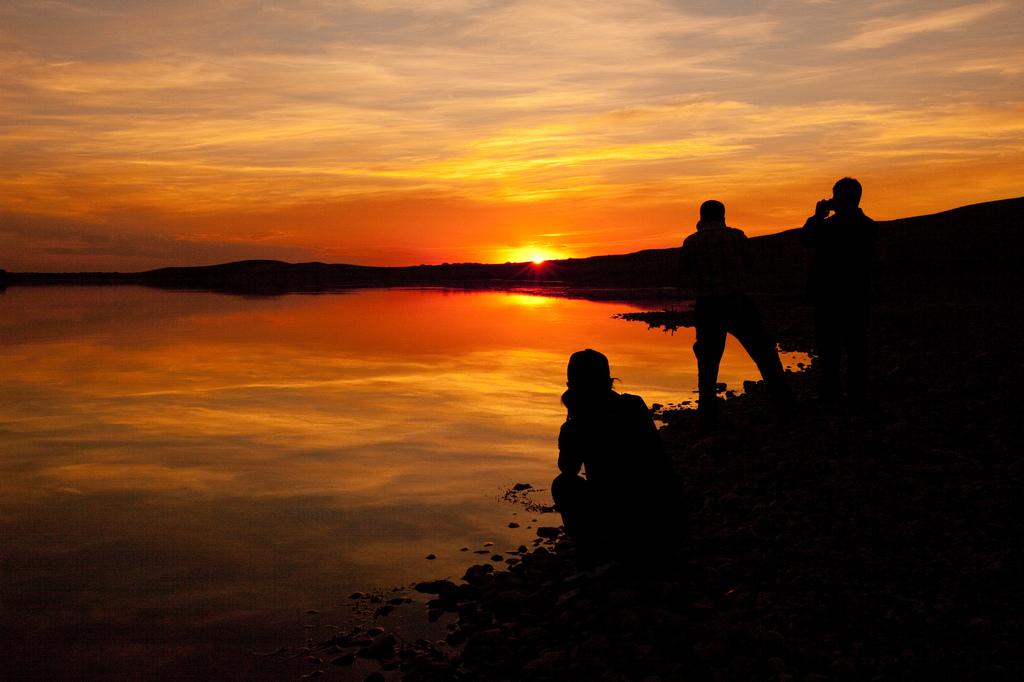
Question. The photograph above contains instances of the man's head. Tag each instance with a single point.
(713, 210)
(846, 194)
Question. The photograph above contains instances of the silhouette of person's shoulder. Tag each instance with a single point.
(837, 231)
(628, 403)
(852, 229)
(633, 410)
(718, 234)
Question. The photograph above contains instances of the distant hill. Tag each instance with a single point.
(944, 250)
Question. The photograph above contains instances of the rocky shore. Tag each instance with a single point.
(826, 544)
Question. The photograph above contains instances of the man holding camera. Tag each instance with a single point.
(840, 288)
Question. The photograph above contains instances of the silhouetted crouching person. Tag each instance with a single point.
(715, 258)
(840, 287)
(628, 502)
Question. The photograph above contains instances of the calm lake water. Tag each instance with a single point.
(183, 475)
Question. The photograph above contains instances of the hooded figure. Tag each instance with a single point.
(628, 499)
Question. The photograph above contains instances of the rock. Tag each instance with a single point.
(457, 594)
(456, 638)
(509, 603)
(483, 643)
(519, 487)
(433, 586)
(550, 532)
(424, 669)
(546, 662)
(346, 659)
(563, 598)
(729, 499)
(478, 574)
(382, 647)
(772, 642)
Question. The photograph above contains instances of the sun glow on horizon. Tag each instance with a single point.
(534, 255)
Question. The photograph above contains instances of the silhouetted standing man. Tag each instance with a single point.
(840, 287)
(716, 258)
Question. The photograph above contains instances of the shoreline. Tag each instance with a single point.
(831, 545)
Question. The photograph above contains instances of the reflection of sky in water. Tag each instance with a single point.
(169, 456)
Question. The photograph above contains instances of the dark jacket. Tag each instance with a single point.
(716, 259)
(843, 247)
(618, 443)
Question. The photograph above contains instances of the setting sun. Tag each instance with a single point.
(537, 256)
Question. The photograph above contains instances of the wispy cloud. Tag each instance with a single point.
(885, 31)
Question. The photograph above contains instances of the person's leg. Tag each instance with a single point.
(574, 501)
(747, 327)
(708, 349)
(855, 335)
(827, 347)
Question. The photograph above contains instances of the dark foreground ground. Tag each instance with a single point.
(833, 544)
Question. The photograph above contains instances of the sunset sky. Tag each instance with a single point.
(141, 134)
